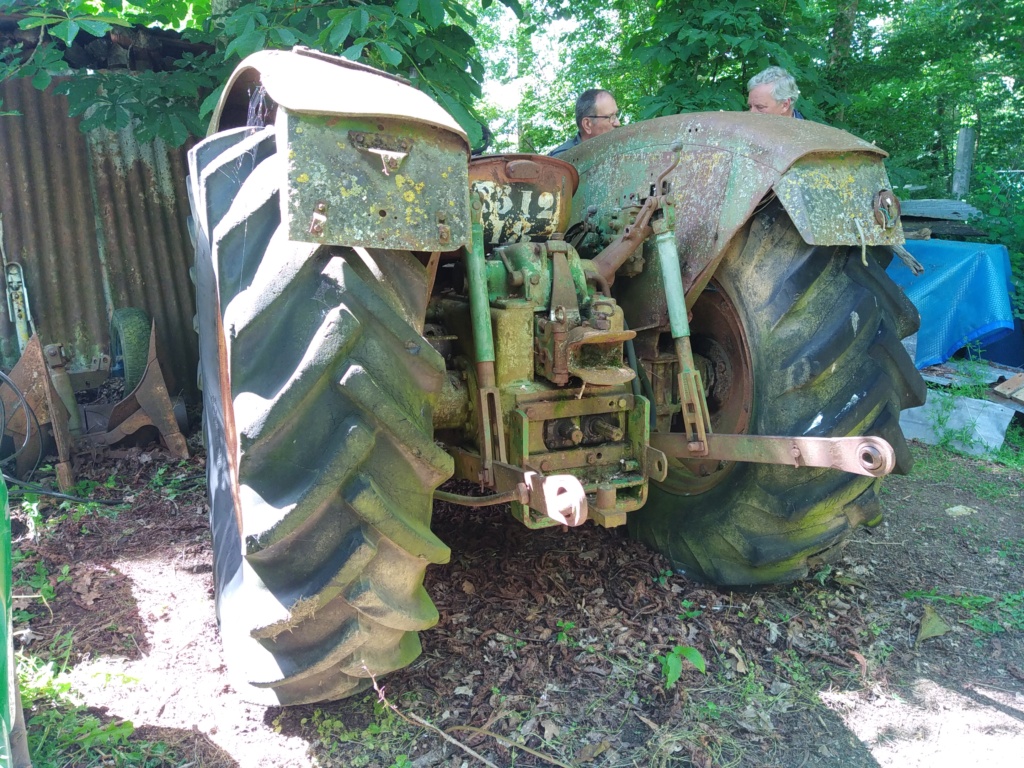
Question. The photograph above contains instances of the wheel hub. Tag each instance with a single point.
(722, 355)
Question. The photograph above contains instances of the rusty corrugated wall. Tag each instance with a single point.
(98, 222)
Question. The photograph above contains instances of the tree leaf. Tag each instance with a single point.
(432, 12)
(250, 42)
(210, 102)
(284, 36)
(389, 54)
(353, 52)
(406, 7)
(339, 32)
(41, 80)
(94, 27)
(671, 668)
(693, 656)
(67, 31)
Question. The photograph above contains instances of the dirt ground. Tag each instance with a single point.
(547, 648)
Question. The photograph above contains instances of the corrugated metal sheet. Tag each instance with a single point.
(98, 222)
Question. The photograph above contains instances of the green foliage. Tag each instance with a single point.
(564, 634)
(62, 731)
(387, 735)
(988, 615)
(705, 51)
(426, 40)
(1000, 198)
(919, 71)
(40, 582)
(672, 663)
(690, 610)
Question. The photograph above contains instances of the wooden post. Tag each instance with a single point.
(964, 162)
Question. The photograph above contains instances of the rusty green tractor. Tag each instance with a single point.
(685, 330)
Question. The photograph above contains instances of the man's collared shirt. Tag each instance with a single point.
(566, 146)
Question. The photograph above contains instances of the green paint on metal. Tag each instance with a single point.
(377, 183)
(8, 679)
(668, 259)
(476, 276)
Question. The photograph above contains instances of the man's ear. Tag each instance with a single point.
(585, 126)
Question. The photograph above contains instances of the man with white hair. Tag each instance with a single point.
(773, 92)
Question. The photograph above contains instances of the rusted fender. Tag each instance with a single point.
(310, 82)
(365, 160)
(729, 163)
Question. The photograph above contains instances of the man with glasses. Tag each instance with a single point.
(596, 113)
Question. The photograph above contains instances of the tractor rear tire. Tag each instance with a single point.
(318, 403)
(820, 333)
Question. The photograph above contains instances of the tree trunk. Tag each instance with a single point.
(964, 162)
(839, 47)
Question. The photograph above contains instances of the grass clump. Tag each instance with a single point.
(63, 732)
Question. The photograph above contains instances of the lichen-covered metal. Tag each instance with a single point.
(728, 164)
(374, 182)
(828, 196)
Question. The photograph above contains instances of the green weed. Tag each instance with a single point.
(564, 634)
(663, 576)
(40, 583)
(62, 731)
(672, 663)
(387, 736)
(988, 615)
(173, 484)
(690, 610)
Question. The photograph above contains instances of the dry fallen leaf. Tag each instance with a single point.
(649, 723)
(551, 730)
(932, 625)
(591, 751)
(862, 661)
(741, 666)
(468, 588)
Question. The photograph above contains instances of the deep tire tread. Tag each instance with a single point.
(823, 331)
(332, 388)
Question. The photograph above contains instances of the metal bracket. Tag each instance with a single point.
(561, 498)
(866, 455)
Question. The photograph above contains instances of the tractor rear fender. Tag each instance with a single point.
(369, 160)
(730, 164)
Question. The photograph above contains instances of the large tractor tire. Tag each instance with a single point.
(318, 400)
(798, 340)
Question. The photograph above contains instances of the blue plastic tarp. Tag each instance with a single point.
(963, 295)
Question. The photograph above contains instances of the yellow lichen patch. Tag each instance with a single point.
(302, 178)
(414, 215)
(408, 195)
(404, 182)
(353, 188)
